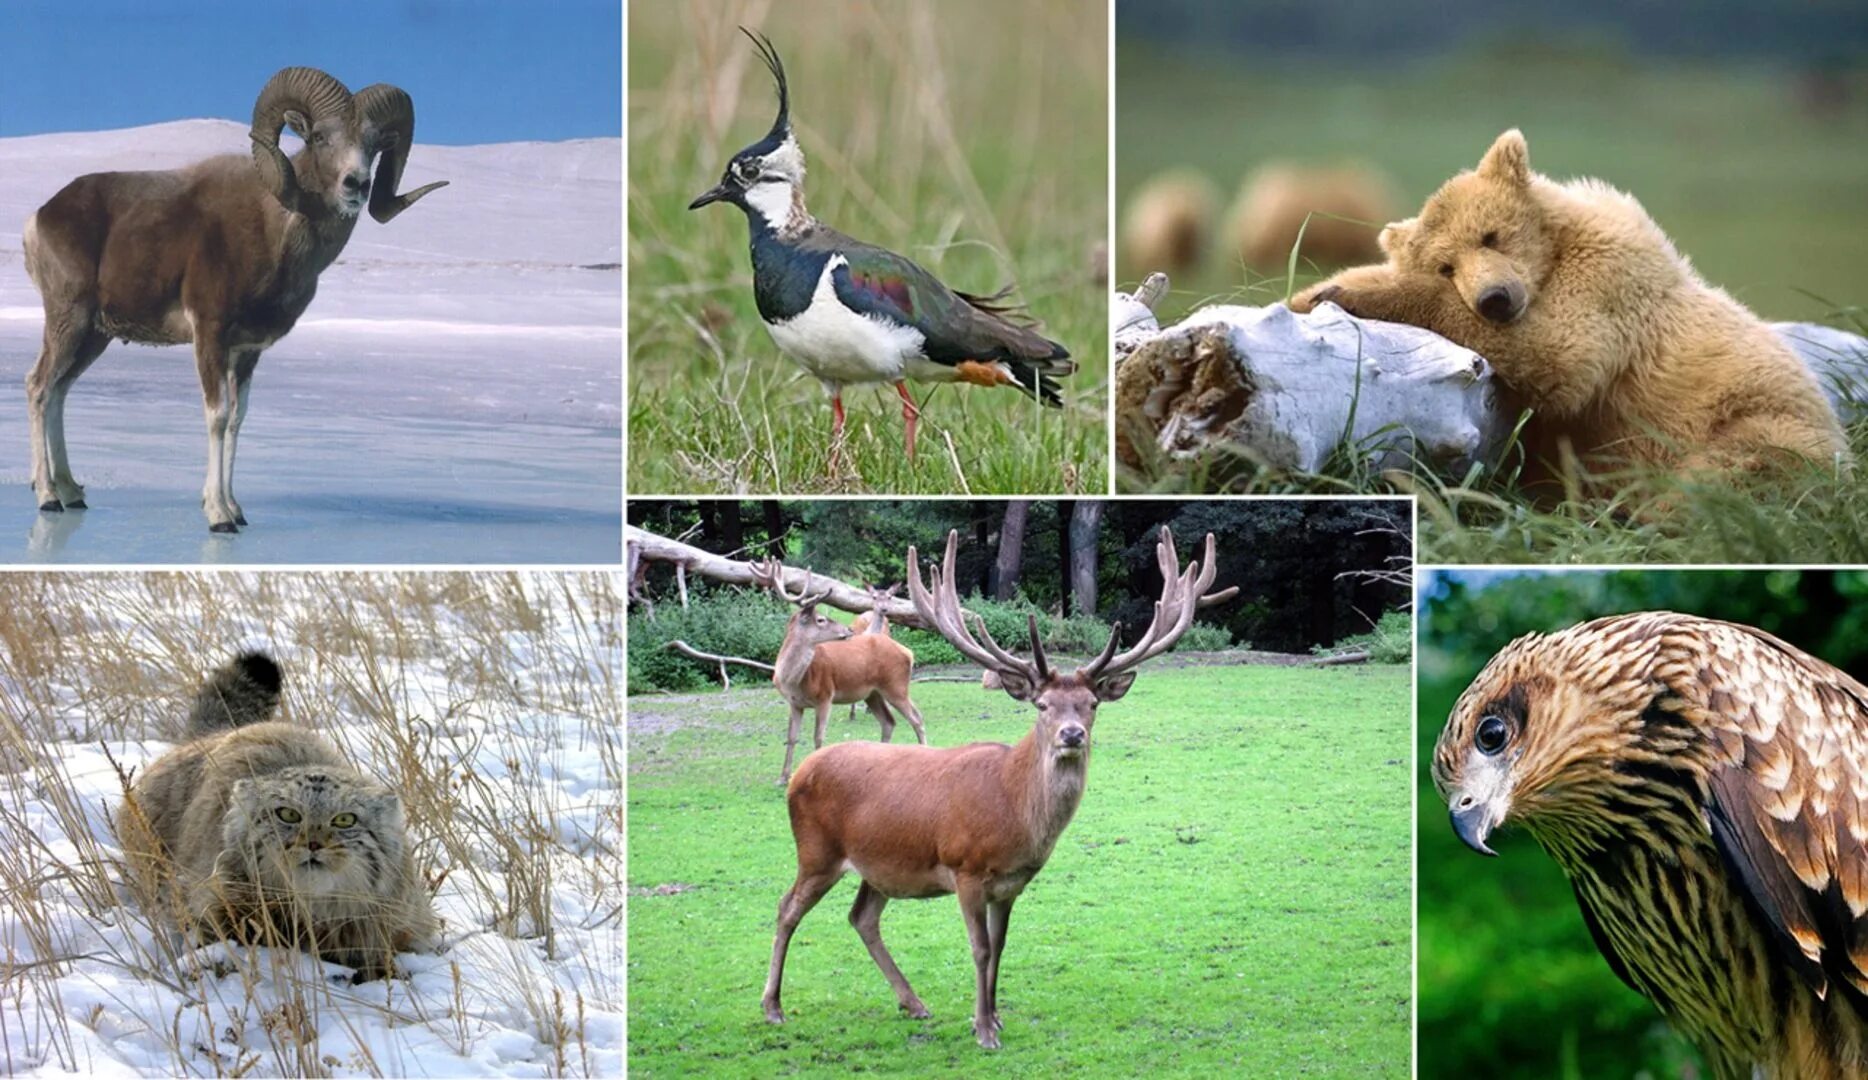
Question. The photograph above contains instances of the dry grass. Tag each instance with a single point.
(486, 700)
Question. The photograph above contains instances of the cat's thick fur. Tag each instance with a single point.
(258, 830)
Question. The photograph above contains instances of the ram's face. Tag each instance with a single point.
(335, 164)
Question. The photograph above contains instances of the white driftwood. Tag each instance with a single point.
(1840, 361)
(649, 547)
(1290, 391)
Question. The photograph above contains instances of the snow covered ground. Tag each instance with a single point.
(488, 701)
(453, 395)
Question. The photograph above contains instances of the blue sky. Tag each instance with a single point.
(479, 70)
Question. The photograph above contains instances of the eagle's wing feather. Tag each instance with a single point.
(1789, 803)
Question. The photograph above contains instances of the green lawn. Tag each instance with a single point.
(1232, 899)
(1763, 197)
(940, 136)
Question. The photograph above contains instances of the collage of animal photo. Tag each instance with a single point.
(1344, 514)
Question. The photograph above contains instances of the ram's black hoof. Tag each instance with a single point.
(79, 505)
(224, 527)
(240, 521)
(51, 506)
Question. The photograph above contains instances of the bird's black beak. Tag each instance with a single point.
(1473, 823)
(711, 195)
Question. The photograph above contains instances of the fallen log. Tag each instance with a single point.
(646, 546)
(726, 681)
(1290, 392)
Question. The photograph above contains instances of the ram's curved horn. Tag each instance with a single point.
(388, 117)
(314, 96)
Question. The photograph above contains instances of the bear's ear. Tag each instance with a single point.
(1395, 235)
(1508, 160)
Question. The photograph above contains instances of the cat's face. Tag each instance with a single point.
(315, 831)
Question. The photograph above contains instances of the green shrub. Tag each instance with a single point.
(729, 622)
(1390, 642)
(1204, 637)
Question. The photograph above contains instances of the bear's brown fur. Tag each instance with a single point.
(1594, 321)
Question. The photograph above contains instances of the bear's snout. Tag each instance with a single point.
(1500, 304)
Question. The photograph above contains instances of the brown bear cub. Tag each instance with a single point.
(1594, 321)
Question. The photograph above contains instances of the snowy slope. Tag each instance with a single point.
(461, 366)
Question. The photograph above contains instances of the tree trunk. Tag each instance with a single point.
(1066, 508)
(709, 512)
(982, 535)
(732, 530)
(1011, 560)
(774, 528)
(1085, 521)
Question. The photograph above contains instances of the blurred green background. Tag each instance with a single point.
(969, 135)
(1742, 127)
(1509, 982)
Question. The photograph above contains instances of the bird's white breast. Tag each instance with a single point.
(842, 346)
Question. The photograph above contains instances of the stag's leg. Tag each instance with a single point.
(866, 916)
(220, 396)
(791, 740)
(907, 708)
(804, 895)
(880, 710)
(972, 896)
(244, 363)
(823, 722)
(998, 914)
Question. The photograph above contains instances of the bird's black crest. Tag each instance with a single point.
(781, 126)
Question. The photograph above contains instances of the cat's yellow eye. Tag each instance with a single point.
(289, 815)
(343, 821)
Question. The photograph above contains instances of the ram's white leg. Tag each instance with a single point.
(37, 396)
(220, 400)
(214, 488)
(65, 355)
(69, 491)
(243, 375)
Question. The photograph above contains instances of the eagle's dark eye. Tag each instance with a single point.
(1491, 736)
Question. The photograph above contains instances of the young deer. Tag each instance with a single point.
(980, 820)
(821, 664)
(875, 620)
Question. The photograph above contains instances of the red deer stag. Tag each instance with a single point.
(980, 820)
(821, 664)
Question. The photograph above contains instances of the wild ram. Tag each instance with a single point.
(225, 254)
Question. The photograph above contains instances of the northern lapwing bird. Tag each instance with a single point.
(852, 313)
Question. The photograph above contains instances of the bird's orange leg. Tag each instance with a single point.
(911, 416)
(836, 431)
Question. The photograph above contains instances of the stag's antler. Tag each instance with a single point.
(770, 574)
(941, 609)
(1181, 595)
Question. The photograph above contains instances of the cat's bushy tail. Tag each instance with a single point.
(244, 690)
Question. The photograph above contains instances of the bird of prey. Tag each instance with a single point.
(852, 313)
(1704, 785)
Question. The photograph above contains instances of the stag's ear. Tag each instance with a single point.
(297, 122)
(1113, 687)
(1021, 688)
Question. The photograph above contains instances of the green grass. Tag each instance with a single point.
(1762, 197)
(1510, 983)
(935, 132)
(1232, 898)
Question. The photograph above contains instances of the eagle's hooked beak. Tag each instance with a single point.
(1473, 824)
(712, 194)
(1478, 804)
